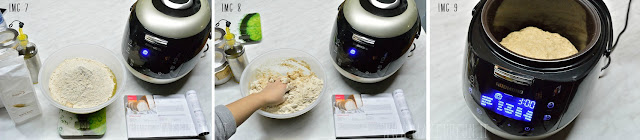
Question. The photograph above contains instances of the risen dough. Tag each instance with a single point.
(536, 43)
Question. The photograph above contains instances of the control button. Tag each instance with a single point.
(470, 90)
(547, 117)
(527, 129)
(479, 111)
(550, 105)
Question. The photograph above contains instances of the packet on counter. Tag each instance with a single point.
(16, 89)
(4, 54)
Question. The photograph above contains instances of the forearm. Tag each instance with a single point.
(243, 108)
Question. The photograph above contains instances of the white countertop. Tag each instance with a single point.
(610, 114)
(52, 25)
(307, 25)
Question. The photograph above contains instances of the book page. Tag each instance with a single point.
(158, 116)
(196, 113)
(403, 112)
(366, 115)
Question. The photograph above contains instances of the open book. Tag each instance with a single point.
(156, 116)
(379, 115)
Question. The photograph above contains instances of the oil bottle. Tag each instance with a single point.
(234, 52)
(30, 52)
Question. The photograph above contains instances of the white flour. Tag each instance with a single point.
(303, 88)
(82, 83)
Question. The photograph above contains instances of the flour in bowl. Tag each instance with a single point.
(303, 88)
(82, 83)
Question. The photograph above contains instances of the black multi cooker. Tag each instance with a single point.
(372, 39)
(514, 96)
(163, 38)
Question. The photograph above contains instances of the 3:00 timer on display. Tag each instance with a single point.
(509, 105)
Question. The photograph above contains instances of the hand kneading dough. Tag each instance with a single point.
(536, 43)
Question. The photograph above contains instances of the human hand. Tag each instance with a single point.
(273, 93)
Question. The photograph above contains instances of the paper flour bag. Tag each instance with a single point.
(16, 89)
(5, 54)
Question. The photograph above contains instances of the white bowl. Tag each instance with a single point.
(249, 75)
(88, 51)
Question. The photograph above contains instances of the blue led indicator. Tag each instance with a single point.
(145, 52)
(547, 117)
(508, 105)
(352, 51)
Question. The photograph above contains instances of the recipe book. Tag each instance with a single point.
(366, 116)
(156, 116)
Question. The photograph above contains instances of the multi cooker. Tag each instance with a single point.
(372, 39)
(514, 96)
(164, 38)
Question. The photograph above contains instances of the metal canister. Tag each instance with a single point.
(32, 59)
(219, 40)
(8, 38)
(223, 72)
(237, 60)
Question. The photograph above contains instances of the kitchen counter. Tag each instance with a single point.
(52, 25)
(611, 111)
(306, 26)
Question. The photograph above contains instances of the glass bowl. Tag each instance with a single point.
(88, 51)
(274, 57)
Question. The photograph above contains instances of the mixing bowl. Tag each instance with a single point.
(88, 51)
(273, 58)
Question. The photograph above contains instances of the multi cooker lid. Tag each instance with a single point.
(174, 18)
(576, 20)
(381, 18)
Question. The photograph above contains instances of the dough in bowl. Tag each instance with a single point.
(303, 86)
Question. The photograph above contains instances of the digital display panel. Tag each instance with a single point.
(508, 105)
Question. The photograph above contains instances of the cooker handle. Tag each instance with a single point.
(611, 46)
(477, 7)
(205, 51)
(607, 53)
(411, 51)
(132, 6)
(419, 28)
